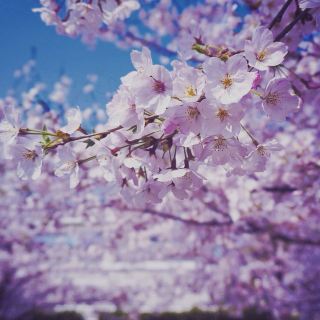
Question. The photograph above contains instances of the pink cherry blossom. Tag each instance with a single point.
(219, 150)
(122, 110)
(9, 125)
(258, 158)
(180, 181)
(188, 84)
(223, 119)
(186, 118)
(152, 90)
(142, 60)
(228, 81)
(279, 99)
(28, 157)
(74, 119)
(262, 52)
(305, 4)
(113, 10)
(68, 166)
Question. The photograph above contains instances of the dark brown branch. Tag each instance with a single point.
(280, 189)
(287, 29)
(209, 223)
(298, 240)
(259, 227)
(69, 139)
(280, 14)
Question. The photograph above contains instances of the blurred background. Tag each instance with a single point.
(24, 36)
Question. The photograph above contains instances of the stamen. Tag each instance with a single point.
(220, 144)
(68, 166)
(272, 98)
(193, 112)
(158, 86)
(222, 114)
(261, 55)
(190, 92)
(227, 81)
(29, 155)
(262, 151)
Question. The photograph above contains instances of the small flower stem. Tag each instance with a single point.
(135, 141)
(257, 93)
(254, 140)
(80, 162)
(100, 135)
(34, 131)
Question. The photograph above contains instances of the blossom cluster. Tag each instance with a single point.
(86, 17)
(172, 27)
(164, 126)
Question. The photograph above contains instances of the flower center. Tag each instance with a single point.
(190, 91)
(272, 98)
(262, 151)
(29, 154)
(220, 143)
(227, 81)
(261, 55)
(158, 86)
(68, 166)
(222, 114)
(193, 112)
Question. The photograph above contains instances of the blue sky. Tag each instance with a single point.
(20, 29)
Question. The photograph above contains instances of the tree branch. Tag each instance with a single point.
(287, 29)
(280, 14)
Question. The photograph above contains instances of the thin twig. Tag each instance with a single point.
(280, 14)
(288, 28)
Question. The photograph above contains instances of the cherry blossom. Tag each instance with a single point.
(262, 52)
(74, 120)
(68, 166)
(187, 117)
(188, 84)
(279, 99)
(258, 157)
(305, 4)
(28, 158)
(221, 150)
(113, 10)
(152, 89)
(228, 81)
(223, 119)
(9, 125)
(180, 181)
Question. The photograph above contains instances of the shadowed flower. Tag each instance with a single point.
(279, 99)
